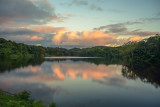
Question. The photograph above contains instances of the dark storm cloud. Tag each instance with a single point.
(25, 12)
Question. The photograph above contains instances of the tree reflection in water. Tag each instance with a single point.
(147, 74)
(11, 64)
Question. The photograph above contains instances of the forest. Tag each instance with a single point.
(141, 56)
(145, 51)
(13, 50)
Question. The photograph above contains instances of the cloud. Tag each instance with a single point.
(118, 25)
(26, 12)
(135, 38)
(115, 10)
(70, 15)
(25, 38)
(31, 33)
(20, 34)
(85, 38)
(158, 14)
(73, 70)
(121, 29)
(84, 3)
(95, 7)
(36, 38)
(150, 19)
(47, 29)
(141, 33)
(80, 2)
(7, 31)
(32, 69)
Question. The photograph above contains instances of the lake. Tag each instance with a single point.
(82, 82)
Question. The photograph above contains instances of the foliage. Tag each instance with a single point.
(145, 51)
(137, 53)
(13, 50)
(21, 99)
(99, 51)
(147, 73)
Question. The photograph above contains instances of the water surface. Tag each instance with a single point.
(82, 83)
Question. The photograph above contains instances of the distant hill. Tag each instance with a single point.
(13, 50)
(147, 50)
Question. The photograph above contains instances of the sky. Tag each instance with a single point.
(78, 23)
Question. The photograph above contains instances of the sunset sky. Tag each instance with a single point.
(78, 23)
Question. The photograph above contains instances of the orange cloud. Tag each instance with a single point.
(57, 70)
(62, 71)
(36, 38)
(57, 38)
(86, 38)
(72, 73)
(135, 38)
(74, 70)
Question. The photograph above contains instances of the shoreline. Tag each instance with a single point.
(70, 57)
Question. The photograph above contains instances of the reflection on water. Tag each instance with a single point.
(82, 82)
(9, 65)
(148, 74)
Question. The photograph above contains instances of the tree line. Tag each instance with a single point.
(147, 50)
(13, 50)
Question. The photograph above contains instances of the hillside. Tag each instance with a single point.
(147, 50)
(13, 50)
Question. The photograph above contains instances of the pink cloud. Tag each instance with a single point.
(86, 38)
(74, 70)
(36, 38)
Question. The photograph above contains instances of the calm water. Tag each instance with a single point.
(82, 83)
